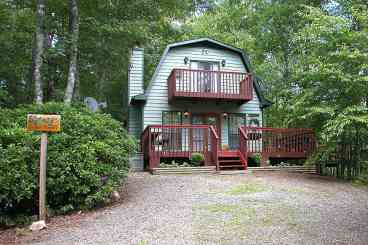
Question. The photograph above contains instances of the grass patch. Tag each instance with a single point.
(221, 222)
(246, 189)
(22, 231)
(285, 215)
(294, 190)
(232, 209)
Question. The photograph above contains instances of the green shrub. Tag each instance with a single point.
(196, 159)
(86, 160)
(5, 99)
(256, 158)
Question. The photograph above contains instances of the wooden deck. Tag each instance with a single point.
(166, 141)
(287, 143)
(180, 141)
(210, 85)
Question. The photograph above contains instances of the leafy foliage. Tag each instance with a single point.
(87, 160)
(312, 56)
(196, 159)
(256, 159)
(5, 99)
(108, 30)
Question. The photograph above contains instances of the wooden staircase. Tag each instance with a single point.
(231, 160)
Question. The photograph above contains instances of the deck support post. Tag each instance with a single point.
(207, 159)
(154, 162)
(264, 160)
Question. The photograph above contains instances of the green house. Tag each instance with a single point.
(204, 97)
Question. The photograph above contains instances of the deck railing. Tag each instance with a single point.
(215, 147)
(243, 149)
(284, 141)
(158, 141)
(215, 85)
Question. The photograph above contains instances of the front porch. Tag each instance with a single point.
(181, 141)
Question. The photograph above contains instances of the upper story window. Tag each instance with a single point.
(205, 81)
(204, 65)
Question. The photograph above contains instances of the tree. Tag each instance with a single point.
(265, 30)
(73, 59)
(38, 51)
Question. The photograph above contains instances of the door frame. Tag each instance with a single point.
(209, 114)
(230, 136)
(214, 80)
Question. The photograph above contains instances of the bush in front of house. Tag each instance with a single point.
(87, 160)
(197, 159)
(256, 160)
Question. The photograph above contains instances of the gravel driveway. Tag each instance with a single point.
(268, 208)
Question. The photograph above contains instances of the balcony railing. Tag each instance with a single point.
(210, 85)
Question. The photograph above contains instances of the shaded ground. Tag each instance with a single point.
(271, 208)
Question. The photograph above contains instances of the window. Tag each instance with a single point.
(172, 117)
(235, 120)
(204, 65)
(205, 81)
(253, 120)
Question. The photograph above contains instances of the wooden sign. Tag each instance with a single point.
(43, 123)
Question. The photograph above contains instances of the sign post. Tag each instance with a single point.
(42, 180)
(44, 124)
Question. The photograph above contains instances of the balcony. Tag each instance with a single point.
(185, 84)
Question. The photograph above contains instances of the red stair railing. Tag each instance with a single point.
(243, 146)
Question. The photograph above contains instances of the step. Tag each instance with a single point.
(185, 170)
(233, 172)
(230, 161)
(231, 166)
(228, 154)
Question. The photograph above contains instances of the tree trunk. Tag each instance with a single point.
(50, 83)
(38, 51)
(73, 58)
(76, 94)
(51, 89)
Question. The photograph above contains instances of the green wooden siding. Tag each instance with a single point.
(135, 121)
(135, 87)
(157, 99)
(136, 70)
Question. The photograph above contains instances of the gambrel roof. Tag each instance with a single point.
(213, 43)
